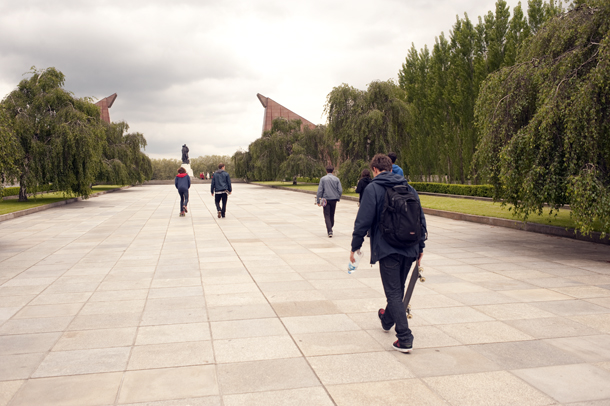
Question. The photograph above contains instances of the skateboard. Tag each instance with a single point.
(415, 274)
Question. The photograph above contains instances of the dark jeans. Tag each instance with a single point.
(329, 214)
(394, 270)
(184, 198)
(217, 198)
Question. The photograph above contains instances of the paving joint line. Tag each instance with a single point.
(278, 317)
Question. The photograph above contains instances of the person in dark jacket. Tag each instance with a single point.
(183, 184)
(394, 263)
(365, 179)
(395, 168)
(221, 185)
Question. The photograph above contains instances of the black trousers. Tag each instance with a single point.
(394, 270)
(329, 214)
(184, 198)
(217, 198)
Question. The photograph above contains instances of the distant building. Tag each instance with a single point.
(104, 105)
(275, 110)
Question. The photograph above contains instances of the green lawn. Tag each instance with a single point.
(12, 205)
(491, 209)
(305, 186)
(466, 206)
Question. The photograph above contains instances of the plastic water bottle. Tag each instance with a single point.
(352, 266)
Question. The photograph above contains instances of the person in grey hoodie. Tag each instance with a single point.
(221, 185)
(329, 193)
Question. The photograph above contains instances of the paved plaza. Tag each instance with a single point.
(117, 300)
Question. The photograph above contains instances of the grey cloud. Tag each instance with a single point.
(189, 70)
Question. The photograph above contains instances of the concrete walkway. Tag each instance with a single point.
(118, 300)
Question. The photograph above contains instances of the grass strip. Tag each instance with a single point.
(13, 205)
(468, 206)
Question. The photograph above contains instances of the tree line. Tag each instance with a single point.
(426, 117)
(442, 86)
(49, 136)
(518, 101)
(166, 169)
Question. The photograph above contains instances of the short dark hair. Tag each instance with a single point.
(381, 162)
(181, 170)
(221, 165)
(330, 169)
(392, 156)
(365, 173)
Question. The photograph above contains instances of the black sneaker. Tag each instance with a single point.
(380, 313)
(330, 234)
(402, 347)
(185, 209)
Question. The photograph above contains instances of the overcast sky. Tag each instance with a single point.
(188, 71)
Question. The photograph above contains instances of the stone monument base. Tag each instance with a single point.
(189, 171)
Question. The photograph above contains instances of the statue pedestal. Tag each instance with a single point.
(189, 171)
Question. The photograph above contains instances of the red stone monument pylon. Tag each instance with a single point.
(275, 110)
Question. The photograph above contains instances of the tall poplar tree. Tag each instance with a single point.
(442, 87)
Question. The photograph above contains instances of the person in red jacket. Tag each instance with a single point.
(183, 184)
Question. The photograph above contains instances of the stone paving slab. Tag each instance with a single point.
(119, 301)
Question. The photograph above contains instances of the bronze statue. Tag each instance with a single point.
(185, 154)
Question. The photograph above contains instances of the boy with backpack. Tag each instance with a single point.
(390, 208)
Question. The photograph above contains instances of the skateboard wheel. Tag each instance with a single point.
(421, 269)
(422, 279)
(409, 316)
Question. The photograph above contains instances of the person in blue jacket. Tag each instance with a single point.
(183, 184)
(221, 185)
(394, 263)
(395, 168)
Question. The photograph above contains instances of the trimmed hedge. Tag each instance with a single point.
(14, 191)
(302, 180)
(453, 189)
(308, 180)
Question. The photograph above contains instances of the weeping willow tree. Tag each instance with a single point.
(545, 122)
(122, 160)
(273, 148)
(9, 150)
(285, 151)
(242, 164)
(59, 137)
(367, 122)
(311, 151)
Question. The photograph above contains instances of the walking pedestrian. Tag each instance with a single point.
(221, 185)
(183, 184)
(394, 261)
(329, 193)
(365, 179)
(395, 168)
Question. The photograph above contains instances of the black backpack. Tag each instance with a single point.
(400, 222)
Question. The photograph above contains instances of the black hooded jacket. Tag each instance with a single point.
(369, 214)
(362, 184)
